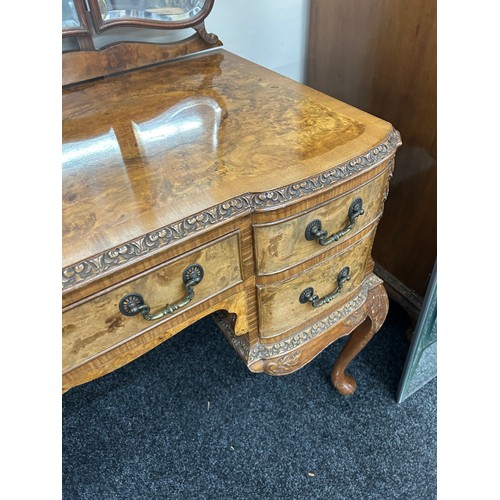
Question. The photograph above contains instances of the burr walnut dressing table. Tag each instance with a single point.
(196, 182)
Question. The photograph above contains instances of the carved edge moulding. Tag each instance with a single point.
(100, 265)
(350, 313)
(361, 317)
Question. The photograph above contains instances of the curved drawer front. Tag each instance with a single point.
(98, 324)
(280, 308)
(279, 246)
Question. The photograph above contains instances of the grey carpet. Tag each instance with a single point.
(189, 421)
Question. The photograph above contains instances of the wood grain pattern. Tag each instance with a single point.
(122, 353)
(361, 314)
(279, 306)
(389, 71)
(179, 164)
(348, 313)
(184, 144)
(282, 244)
(97, 324)
(131, 269)
(90, 64)
(316, 261)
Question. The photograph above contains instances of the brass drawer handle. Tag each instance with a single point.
(308, 294)
(314, 231)
(133, 303)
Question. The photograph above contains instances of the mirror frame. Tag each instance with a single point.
(101, 25)
(84, 28)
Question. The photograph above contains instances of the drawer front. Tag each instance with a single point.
(98, 324)
(280, 307)
(281, 245)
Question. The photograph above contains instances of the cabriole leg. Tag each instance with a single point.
(375, 308)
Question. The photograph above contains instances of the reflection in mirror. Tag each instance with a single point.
(70, 18)
(131, 34)
(69, 44)
(155, 10)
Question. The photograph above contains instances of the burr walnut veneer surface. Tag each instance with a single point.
(216, 161)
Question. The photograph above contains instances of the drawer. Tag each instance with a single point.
(97, 324)
(283, 244)
(280, 305)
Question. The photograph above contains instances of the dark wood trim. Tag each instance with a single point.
(124, 56)
(85, 42)
(408, 299)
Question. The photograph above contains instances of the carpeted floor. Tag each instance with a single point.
(189, 421)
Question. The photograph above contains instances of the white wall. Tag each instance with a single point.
(272, 33)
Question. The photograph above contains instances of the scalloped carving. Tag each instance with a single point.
(100, 265)
(351, 311)
(285, 364)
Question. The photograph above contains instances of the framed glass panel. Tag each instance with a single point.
(421, 361)
(165, 14)
(74, 21)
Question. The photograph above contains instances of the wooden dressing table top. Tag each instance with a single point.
(153, 155)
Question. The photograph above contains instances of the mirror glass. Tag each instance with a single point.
(154, 10)
(70, 18)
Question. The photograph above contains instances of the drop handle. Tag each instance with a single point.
(308, 294)
(133, 303)
(314, 228)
